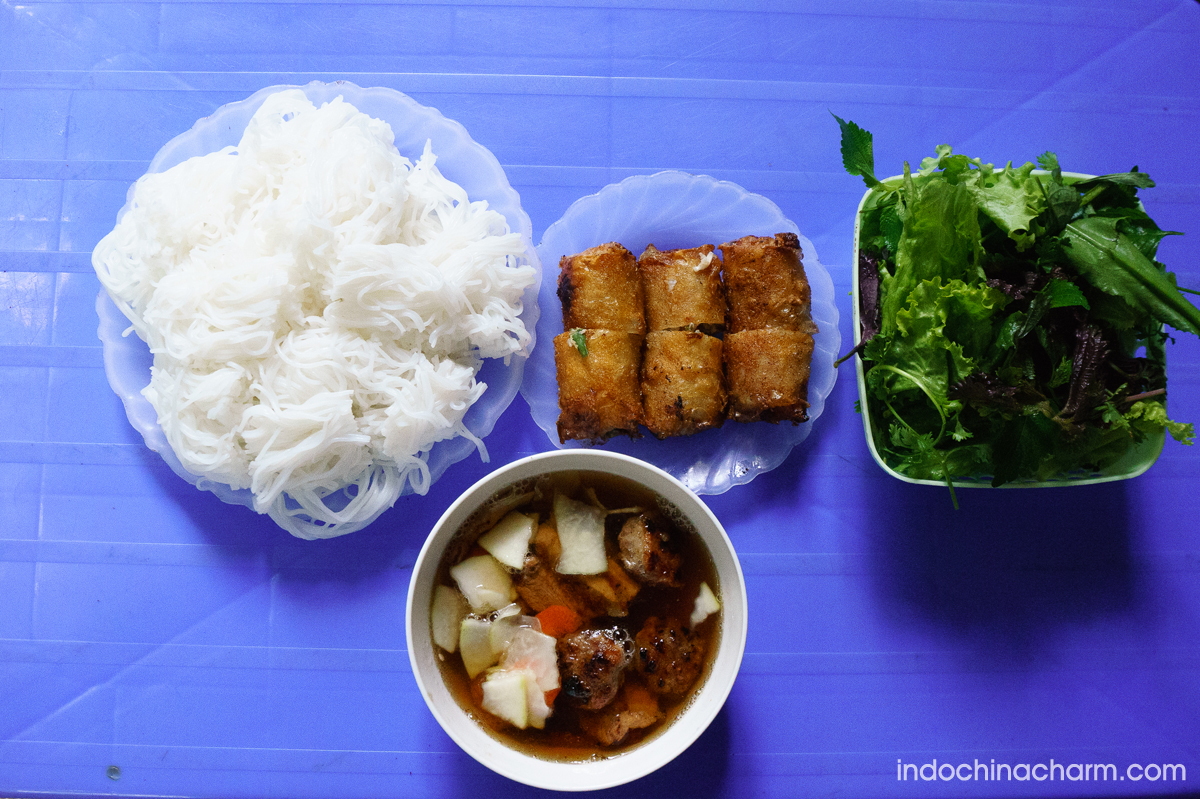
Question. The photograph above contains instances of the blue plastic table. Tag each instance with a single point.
(154, 641)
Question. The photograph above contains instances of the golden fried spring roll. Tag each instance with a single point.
(683, 289)
(683, 384)
(766, 285)
(601, 289)
(599, 394)
(768, 372)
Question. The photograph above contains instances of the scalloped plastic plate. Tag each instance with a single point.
(671, 210)
(461, 159)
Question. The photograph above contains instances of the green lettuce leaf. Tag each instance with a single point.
(1155, 415)
(940, 336)
(1013, 198)
(941, 241)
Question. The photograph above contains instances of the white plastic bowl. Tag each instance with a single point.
(657, 750)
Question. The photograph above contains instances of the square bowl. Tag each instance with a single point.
(1136, 460)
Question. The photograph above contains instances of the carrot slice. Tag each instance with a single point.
(558, 620)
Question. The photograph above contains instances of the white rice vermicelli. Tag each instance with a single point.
(318, 307)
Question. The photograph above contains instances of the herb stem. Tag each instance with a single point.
(1158, 392)
(858, 348)
(1049, 207)
(949, 485)
(1092, 194)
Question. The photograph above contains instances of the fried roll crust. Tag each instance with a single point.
(683, 289)
(599, 395)
(768, 375)
(601, 289)
(683, 384)
(765, 284)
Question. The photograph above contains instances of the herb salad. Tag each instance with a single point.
(1011, 320)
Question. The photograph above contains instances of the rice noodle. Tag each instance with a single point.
(318, 307)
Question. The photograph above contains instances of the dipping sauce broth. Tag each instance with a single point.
(638, 639)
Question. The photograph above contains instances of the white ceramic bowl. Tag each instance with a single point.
(676, 209)
(460, 158)
(657, 750)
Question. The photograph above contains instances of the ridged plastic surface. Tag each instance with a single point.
(156, 641)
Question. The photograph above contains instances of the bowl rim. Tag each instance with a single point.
(626, 766)
(1135, 462)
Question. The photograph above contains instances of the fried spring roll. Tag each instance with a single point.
(683, 289)
(766, 285)
(600, 289)
(768, 375)
(599, 394)
(683, 384)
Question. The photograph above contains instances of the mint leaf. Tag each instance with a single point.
(1020, 447)
(1061, 293)
(858, 154)
(891, 227)
(1055, 294)
(1061, 374)
(1061, 202)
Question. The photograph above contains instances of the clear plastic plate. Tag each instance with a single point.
(672, 210)
(127, 359)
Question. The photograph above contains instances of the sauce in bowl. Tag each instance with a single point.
(636, 639)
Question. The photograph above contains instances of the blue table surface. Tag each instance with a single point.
(202, 651)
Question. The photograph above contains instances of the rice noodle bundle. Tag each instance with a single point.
(318, 307)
